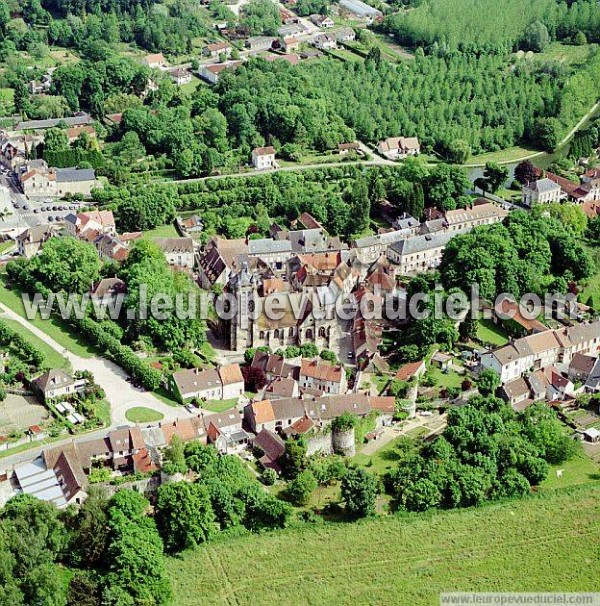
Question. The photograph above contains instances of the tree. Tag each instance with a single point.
(536, 37)
(92, 530)
(200, 458)
(593, 229)
(328, 356)
(456, 151)
(548, 132)
(184, 515)
(254, 378)
(359, 491)
(268, 477)
(134, 557)
(55, 139)
(421, 496)
(487, 381)
(309, 350)
(293, 460)
(301, 487)
(66, 264)
(495, 175)
(175, 460)
(83, 591)
(525, 172)
(360, 205)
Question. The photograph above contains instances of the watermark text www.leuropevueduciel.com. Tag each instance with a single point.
(321, 304)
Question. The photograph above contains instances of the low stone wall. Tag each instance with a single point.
(147, 487)
(321, 442)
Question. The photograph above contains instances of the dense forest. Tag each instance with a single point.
(527, 253)
(501, 26)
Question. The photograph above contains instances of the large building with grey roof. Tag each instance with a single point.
(419, 254)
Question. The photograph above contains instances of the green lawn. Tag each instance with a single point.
(55, 328)
(504, 156)
(219, 405)
(445, 379)
(578, 470)
(52, 358)
(141, 414)
(542, 543)
(6, 246)
(382, 460)
(491, 333)
(164, 231)
(565, 53)
(591, 287)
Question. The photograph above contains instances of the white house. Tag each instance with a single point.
(540, 350)
(397, 148)
(180, 76)
(263, 157)
(57, 383)
(542, 191)
(179, 252)
(345, 34)
(211, 73)
(322, 21)
(217, 49)
(323, 377)
(155, 61)
(324, 41)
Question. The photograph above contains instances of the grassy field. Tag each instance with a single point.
(591, 291)
(382, 460)
(54, 328)
(488, 332)
(141, 414)
(504, 156)
(164, 231)
(543, 543)
(568, 54)
(445, 379)
(52, 358)
(219, 405)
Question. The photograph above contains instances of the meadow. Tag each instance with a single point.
(548, 542)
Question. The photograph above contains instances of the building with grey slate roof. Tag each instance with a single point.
(542, 191)
(419, 253)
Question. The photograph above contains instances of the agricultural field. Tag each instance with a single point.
(543, 543)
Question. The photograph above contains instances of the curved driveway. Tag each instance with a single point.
(112, 378)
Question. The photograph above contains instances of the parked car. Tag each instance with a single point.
(190, 408)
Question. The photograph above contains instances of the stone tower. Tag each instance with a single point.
(244, 288)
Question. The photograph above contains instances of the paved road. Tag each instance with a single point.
(375, 161)
(112, 378)
(21, 218)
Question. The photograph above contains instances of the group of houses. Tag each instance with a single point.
(19, 141)
(40, 181)
(60, 474)
(551, 188)
(98, 227)
(547, 364)
(308, 270)
(179, 74)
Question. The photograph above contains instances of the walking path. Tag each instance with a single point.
(112, 378)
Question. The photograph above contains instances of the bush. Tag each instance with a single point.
(268, 477)
(301, 487)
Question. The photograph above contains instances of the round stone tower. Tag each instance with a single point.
(343, 441)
